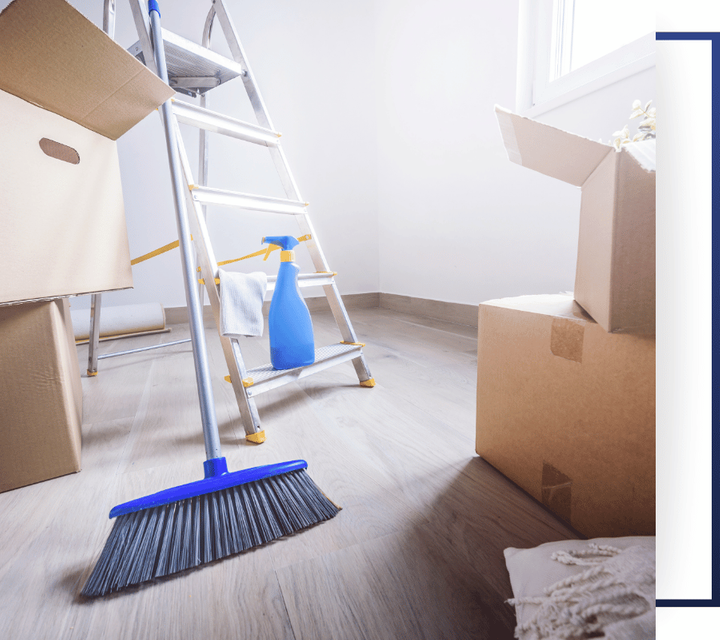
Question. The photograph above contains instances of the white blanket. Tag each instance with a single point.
(241, 302)
(613, 597)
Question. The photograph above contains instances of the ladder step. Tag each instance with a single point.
(220, 123)
(192, 69)
(304, 280)
(307, 279)
(209, 195)
(265, 378)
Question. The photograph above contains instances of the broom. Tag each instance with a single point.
(224, 513)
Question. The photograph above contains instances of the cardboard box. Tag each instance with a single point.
(567, 412)
(67, 92)
(40, 394)
(615, 277)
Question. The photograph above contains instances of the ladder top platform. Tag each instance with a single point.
(192, 68)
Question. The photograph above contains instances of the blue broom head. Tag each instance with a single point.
(216, 478)
(200, 522)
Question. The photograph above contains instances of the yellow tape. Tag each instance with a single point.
(354, 344)
(265, 250)
(176, 244)
(368, 383)
(157, 252)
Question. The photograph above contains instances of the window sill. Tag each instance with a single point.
(576, 92)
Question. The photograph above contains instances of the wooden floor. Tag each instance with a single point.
(415, 553)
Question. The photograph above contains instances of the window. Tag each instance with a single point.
(570, 47)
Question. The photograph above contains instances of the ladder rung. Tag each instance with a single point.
(266, 378)
(187, 59)
(209, 195)
(306, 280)
(220, 123)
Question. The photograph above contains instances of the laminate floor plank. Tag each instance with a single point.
(400, 586)
(415, 552)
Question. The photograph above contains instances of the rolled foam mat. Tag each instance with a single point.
(120, 320)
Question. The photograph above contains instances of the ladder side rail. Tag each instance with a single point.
(204, 154)
(94, 333)
(142, 26)
(208, 265)
(109, 17)
(204, 142)
(233, 356)
(203, 164)
(96, 298)
(276, 153)
(258, 104)
(332, 292)
(238, 55)
(204, 148)
(204, 239)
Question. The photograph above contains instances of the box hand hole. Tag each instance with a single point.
(59, 151)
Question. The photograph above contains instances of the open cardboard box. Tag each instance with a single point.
(615, 277)
(566, 410)
(67, 92)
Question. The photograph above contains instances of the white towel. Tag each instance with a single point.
(241, 302)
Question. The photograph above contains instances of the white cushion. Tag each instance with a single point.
(533, 570)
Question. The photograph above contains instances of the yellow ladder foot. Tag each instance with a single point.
(257, 438)
(247, 382)
(368, 383)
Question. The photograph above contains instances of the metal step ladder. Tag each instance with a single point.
(194, 70)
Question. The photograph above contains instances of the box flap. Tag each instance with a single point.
(548, 150)
(54, 57)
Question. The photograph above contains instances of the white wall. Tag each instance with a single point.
(386, 110)
(458, 221)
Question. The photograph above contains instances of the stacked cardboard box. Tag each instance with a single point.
(67, 92)
(566, 387)
(40, 394)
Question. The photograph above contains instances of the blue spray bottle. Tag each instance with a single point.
(291, 334)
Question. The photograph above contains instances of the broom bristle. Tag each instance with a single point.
(163, 540)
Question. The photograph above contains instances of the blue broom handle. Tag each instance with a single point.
(202, 370)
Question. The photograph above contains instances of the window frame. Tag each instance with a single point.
(535, 93)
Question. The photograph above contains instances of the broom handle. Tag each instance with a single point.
(202, 371)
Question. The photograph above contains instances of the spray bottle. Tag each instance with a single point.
(291, 334)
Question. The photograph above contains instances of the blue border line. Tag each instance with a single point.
(714, 38)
